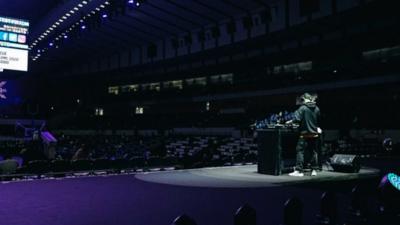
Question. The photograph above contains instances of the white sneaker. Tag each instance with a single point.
(313, 173)
(296, 173)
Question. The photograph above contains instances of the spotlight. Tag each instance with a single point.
(51, 44)
(65, 36)
(131, 1)
(245, 215)
(137, 4)
(83, 27)
(104, 15)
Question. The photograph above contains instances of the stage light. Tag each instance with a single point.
(137, 4)
(65, 36)
(102, 6)
(184, 220)
(106, 2)
(328, 208)
(80, 5)
(51, 44)
(84, 2)
(83, 27)
(245, 215)
(389, 194)
(293, 211)
(131, 1)
(104, 16)
(76, 8)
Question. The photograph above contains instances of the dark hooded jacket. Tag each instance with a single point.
(308, 116)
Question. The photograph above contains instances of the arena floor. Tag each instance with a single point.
(211, 196)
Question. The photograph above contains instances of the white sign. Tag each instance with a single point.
(13, 59)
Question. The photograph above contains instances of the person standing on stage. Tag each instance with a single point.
(307, 117)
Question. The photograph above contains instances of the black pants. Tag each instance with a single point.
(307, 153)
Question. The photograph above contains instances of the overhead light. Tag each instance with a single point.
(64, 17)
(104, 16)
(57, 23)
(84, 2)
(76, 9)
(80, 5)
(72, 11)
(83, 27)
(102, 6)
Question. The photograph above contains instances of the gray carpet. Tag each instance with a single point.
(243, 176)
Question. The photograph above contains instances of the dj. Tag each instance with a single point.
(307, 117)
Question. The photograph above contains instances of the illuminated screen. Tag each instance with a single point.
(13, 44)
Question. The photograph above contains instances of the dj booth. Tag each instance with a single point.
(276, 150)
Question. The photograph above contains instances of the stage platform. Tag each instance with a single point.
(244, 177)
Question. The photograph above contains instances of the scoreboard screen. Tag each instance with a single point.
(13, 44)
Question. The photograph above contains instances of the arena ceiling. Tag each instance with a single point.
(76, 29)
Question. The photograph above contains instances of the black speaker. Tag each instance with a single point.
(345, 163)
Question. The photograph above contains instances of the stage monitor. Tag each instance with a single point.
(13, 44)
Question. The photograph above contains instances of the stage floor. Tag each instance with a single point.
(244, 177)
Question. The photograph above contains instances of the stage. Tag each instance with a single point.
(158, 197)
(244, 177)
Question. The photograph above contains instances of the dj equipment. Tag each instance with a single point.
(275, 149)
(345, 163)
